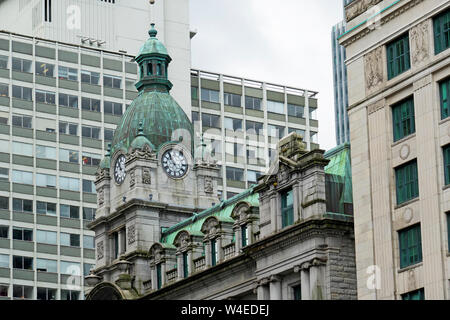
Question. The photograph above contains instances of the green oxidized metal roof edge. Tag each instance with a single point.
(221, 211)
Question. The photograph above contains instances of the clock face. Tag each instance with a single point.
(119, 169)
(174, 163)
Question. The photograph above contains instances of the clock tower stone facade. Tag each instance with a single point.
(147, 182)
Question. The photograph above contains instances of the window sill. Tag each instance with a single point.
(402, 140)
(443, 121)
(407, 203)
(446, 187)
(417, 265)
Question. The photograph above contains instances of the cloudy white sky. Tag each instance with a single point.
(286, 42)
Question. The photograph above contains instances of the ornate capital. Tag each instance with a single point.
(420, 43)
(100, 250)
(146, 153)
(373, 68)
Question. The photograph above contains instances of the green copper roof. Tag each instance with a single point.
(153, 45)
(339, 178)
(160, 115)
(154, 107)
(222, 212)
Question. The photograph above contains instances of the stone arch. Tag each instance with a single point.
(211, 226)
(105, 291)
(182, 239)
(156, 251)
(240, 211)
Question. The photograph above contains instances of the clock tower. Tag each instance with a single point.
(147, 181)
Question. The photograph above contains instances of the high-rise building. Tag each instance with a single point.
(340, 83)
(59, 107)
(340, 86)
(113, 25)
(398, 69)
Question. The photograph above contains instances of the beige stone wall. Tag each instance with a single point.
(375, 156)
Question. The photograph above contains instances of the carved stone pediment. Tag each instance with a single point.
(211, 226)
(182, 239)
(156, 252)
(101, 174)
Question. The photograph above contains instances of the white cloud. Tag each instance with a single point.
(287, 42)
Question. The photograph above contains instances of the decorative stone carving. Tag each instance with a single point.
(101, 197)
(407, 215)
(101, 174)
(146, 176)
(145, 153)
(357, 8)
(412, 280)
(404, 152)
(132, 178)
(131, 233)
(373, 67)
(100, 250)
(209, 185)
(420, 43)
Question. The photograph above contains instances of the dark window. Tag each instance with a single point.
(46, 294)
(70, 240)
(22, 121)
(88, 186)
(233, 124)
(398, 56)
(185, 265)
(407, 182)
(21, 205)
(22, 234)
(90, 77)
(414, 295)
(235, 174)
(297, 290)
(4, 203)
(70, 295)
(90, 104)
(23, 93)
(210, 120)
(4, 62)
(67, 100)
(213, 252)
(252, 103)
(66, 73)
(296, 111)
(90, 132)
(194, 93)
(287, 208)
(4, 90)
(158, 276)
(4, 232)
(88, 214)
(116, 244)
(195, 116)
(21, 65)
(67, 211)
(253, 127)
(403, 119)
(22, 292)
(112, 82)
(45, 97)
(210, 95)
(113, 108)
(231, 99)
(244, 235)
(410, 246)
(446, 152)
(444, 87)
(109, 134)
(68, 128)
(25, 263)
(441, 32)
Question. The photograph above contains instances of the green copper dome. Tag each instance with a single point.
(154, 115)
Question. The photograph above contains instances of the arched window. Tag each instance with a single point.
(244, 235)
(185, 265)
(214, 252)
(158, 276)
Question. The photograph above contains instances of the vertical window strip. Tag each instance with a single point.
(444, 91)
(441, 32)
(446, 152)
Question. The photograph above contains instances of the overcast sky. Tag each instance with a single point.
(285, 42)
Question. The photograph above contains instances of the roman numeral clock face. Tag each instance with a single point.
(174, 164)
(119, 169)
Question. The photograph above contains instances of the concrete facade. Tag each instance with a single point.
(379, 217)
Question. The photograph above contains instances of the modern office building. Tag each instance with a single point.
(398, 109)
(59, 106)
(340, 86)
(113, 25)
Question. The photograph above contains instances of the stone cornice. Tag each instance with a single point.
(298, 233)
(363, 29)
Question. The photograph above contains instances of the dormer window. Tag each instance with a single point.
(244, 235)
(214, 252)
(185, 265)
(158, 276)
(287, 208)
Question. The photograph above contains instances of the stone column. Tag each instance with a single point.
(262, 289)
(180, 266)
(274, 212)
(219, 249)
(316, 281)
(304, 283)
(297, 202)
(275, 287)
(237, 242)
(190, 262)
(154, 278)
(208, 254)
(250, 233)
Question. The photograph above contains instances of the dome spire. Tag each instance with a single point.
(152, 32)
